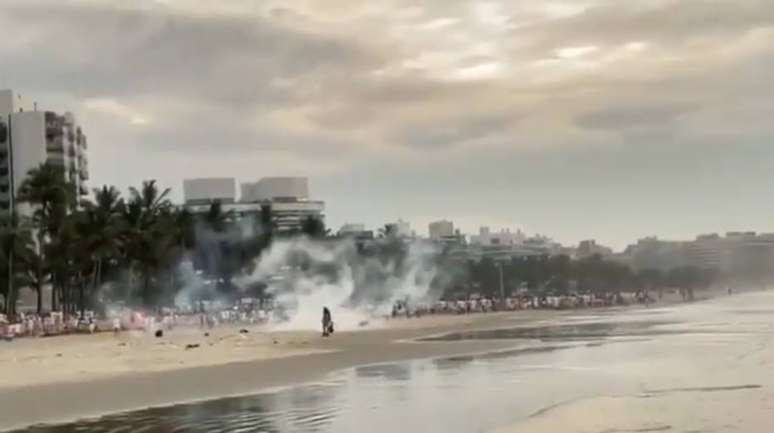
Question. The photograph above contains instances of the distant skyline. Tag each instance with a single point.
(602, 119)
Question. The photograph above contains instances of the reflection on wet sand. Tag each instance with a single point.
(610, 375)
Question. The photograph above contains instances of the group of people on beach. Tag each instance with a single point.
(476, 304)
(36, 325)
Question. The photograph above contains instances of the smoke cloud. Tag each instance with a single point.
(359, 286)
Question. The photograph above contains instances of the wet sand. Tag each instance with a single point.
(61, 379)
(715, 377)
(64, 378)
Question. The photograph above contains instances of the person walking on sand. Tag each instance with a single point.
(327, 322)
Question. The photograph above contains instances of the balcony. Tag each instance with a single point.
(84, 173)
(82, 190)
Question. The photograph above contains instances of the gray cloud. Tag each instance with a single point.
(503, 106)
(633, 116)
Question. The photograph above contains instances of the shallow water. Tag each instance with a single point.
(704, 348)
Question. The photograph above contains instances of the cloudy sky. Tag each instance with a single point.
(603, 119)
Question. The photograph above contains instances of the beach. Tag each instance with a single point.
(62, 379)
(56, 379)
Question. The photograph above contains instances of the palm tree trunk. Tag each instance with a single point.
(39, 291)
(82, 299)
(97, 275)
(146, 287)
(54, 292)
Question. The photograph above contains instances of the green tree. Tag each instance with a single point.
(147, 235)
(51, 198)
(16, 243)
(314, 227)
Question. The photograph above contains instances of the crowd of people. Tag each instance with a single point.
(476, 304)
(258, 312)
(31, 324)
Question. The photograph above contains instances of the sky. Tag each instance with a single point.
(601, 119)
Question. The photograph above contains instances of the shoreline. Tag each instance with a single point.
(311, 358)
(64, 401)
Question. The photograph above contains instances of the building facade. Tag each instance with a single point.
(275, 188)
(486, 237)
(288, 199)
(209, 190)
(438, 230)
(589, 248)
(29, 138)
(654, 253)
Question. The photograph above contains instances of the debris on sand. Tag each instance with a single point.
(206, 334)
(159, 333)
(191, 346)
(243, 331)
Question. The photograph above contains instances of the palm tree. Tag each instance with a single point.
(314, 227)
(34, 270)
(148, 236)
(101, 227)
(51, 197)
(151, 200)
(16, 242)
(388, 231)
(216, 219)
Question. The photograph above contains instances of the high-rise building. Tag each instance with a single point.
(589, 248)
(29, 138)
(276, 188)
(486, 237)
(209, 190)
(657, 254)
(288, 198)
(440, 229)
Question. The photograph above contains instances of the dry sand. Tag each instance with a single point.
(62, 378)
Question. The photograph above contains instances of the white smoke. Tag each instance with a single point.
(193, 286)
(306, 275)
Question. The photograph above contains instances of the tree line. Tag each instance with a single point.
(111, 246)
(133, 244)
(561, 274)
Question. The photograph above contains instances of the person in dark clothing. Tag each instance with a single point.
(327, 322)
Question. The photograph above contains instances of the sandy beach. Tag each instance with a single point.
(44, 380)
(60, 379)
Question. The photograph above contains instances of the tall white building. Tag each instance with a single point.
(275, 188)
(288, 198)
(30, 137)
(438, 230)
(486, 237)
(209, 190)
(351, 228)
